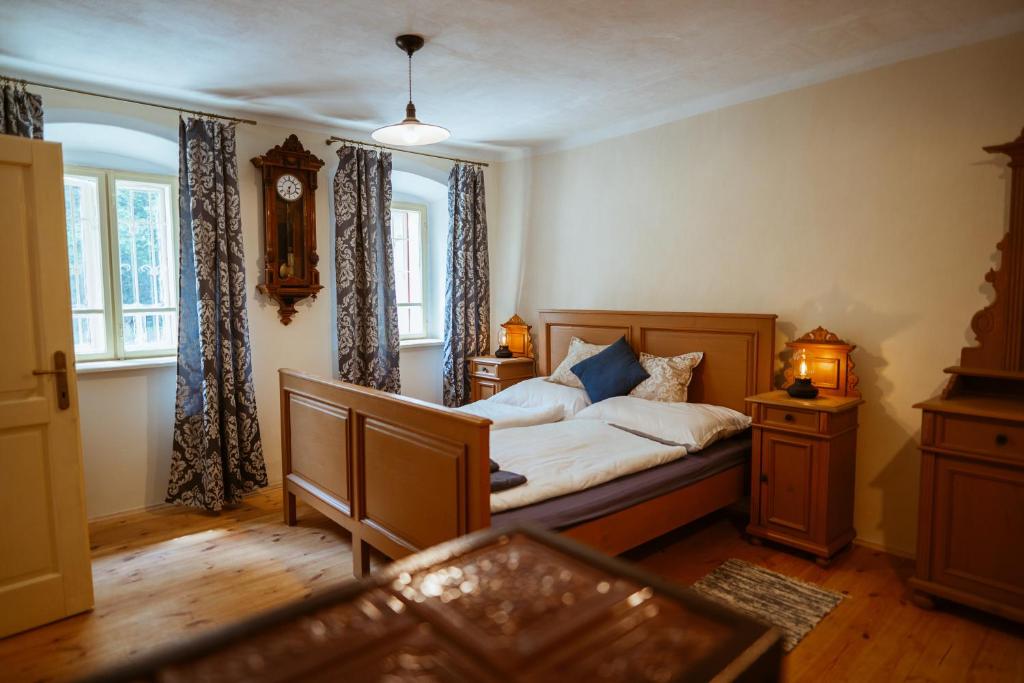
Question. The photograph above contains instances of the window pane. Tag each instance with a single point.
(150, 331)
(398, 223)
(90, 333)
(406, 237)
(415, 259)
(144, 244)
(400, 251)
(410, 321)
(85, 262)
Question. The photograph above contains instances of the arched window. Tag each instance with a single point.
(120, 196)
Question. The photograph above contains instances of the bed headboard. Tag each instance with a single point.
(739, 349)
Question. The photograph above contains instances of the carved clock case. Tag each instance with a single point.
(289, 225)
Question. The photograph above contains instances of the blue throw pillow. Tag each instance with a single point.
(612, 372)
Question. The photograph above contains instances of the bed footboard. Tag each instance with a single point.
(399, 474)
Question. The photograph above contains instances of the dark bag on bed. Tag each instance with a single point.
(502, 480)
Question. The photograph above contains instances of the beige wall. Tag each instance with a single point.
(863, 204)
(127, 416)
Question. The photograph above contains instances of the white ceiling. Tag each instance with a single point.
(533, 73)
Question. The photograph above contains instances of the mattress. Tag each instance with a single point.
(612, 496)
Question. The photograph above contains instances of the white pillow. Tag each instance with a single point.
(669, 377)
(579, 350)
(691, 425)
(539, 393)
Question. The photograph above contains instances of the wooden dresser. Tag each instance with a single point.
(802, 471)
(970, 545)
(499, 605)
(489, 374)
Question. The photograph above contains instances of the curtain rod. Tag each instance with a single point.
(126, 99)
(334, 138)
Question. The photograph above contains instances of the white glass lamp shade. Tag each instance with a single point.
(410, 133)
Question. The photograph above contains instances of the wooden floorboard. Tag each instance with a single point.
(169, 573)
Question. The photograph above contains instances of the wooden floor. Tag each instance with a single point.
(171, 573)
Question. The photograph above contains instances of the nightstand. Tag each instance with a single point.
(802, 470)
(489, 374)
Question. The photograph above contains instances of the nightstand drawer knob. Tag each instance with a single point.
(485, 370)
(788, 417)
(1002, 439)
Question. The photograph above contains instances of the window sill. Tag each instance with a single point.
(94, 366)
(420, 343)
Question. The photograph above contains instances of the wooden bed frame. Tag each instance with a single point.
(402, 475)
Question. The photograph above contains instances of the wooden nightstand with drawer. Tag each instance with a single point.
(489, 374)
(802, 471)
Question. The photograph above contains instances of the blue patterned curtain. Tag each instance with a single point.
(467, 301)
(218, 455)
(364, 260)
(21, 112)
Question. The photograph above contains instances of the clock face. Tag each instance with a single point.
(289, 187)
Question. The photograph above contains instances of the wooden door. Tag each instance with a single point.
(45, 572)
(483, 388)
(978, 521)
(787, 470)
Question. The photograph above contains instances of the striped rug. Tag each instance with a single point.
(792, 606)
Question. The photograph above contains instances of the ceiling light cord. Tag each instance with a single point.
(410, 108)
(410, 132)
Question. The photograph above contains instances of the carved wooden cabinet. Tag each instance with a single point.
(970, 539)
(488, 374)
(971, 518)
(802, 471)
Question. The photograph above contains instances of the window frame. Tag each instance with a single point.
(113, 312)
(421, 209)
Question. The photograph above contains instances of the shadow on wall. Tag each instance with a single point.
(785, 331)
(161, 393)
(510, 225)
(885, 445)
(985, 287)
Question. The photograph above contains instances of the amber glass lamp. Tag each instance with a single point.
(503, 350)
(515, 336)
(803, 368)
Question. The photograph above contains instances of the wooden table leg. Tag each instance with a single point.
(360, 557)
(922, 600)
(290, 516)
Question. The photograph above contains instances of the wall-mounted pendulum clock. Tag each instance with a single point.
(289, 225)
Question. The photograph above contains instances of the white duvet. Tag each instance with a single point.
(504, 416)
(573, 455)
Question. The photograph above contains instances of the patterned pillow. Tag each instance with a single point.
(579, 350)
(669, 377)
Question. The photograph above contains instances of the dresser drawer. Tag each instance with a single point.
(483, 369)
(979, 435)
(504, 370)
(792, 418)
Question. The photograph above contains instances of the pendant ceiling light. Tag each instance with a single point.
(410, 132)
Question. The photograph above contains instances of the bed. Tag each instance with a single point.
(402, 475)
